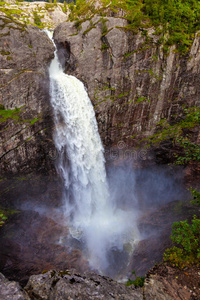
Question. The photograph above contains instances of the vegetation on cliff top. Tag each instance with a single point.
(175, 21)
(36, 14)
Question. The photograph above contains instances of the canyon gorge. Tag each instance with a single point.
(133, 84)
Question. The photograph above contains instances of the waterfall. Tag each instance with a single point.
(92, 217)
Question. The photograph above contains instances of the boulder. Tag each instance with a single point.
(11, 290)
(72, 285)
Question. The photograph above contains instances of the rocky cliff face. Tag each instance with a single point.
(26, 142)
(43, 14)
(163, 282)
(25, 53)
(131, 81)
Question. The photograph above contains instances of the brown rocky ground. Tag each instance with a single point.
(30, 245)
(180, 284)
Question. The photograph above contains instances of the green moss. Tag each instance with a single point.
(104, 47)
(141, 99)
(104, 27)
(108, 88)
(4, 52)
(37, 19)
(137, 282)
(15, 115)
(127, 54)
(8, 20)
(5, 213)
(99, 103)
(88, 29)
(6, 114)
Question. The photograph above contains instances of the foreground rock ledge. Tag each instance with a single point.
(72, 285)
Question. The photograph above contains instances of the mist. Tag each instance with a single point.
(109, 236)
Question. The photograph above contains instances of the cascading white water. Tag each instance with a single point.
(92, 217)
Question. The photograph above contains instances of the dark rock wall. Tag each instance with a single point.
(25, 54)
(131, 82)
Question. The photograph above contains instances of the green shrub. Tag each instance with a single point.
(196, 196)
(2, 219)
(137, 282)
(185, 149)
(176, 21)
(15, 115)
(187, 236)
(104, 47)
(6, 114)
(64, 7)
(37, 19)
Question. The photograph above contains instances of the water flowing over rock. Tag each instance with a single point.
(131, 82)
(93, 218)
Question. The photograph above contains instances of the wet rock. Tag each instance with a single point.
(11, 290)
(72, 285)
